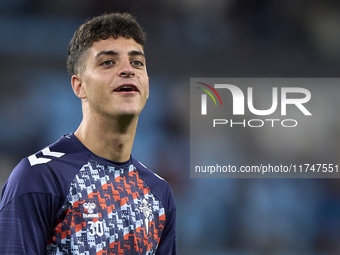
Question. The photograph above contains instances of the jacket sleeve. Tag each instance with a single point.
(28, 209)
(168, 242)
(25, 224)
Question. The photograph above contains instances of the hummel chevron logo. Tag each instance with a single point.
(35, 161)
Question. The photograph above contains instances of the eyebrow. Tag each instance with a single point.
(114, 53)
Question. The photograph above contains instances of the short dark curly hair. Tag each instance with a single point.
(100, 28)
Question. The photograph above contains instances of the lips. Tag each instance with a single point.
(126, 88)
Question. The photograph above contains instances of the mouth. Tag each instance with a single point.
(126, 88)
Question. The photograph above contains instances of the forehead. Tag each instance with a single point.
(120, 45)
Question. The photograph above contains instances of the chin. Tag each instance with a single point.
(129, 110)
(127, 113)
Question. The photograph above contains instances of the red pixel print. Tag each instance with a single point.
(110, 211)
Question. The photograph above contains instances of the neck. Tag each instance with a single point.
(108, 138)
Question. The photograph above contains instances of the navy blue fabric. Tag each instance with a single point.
(33, 198)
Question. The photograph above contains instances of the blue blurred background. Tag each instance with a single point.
(186, 38)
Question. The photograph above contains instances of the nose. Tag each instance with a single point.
(126, 70)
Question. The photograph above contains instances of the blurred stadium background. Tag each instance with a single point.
(186, 38)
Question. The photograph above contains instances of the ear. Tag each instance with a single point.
(78, 87)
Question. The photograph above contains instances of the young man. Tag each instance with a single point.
(85, 194)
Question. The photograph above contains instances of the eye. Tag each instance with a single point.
(137, 63)
(107, 63)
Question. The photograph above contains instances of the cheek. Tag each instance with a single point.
(144, 81)
(95, 86)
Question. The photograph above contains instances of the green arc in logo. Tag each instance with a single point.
(209, 94)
